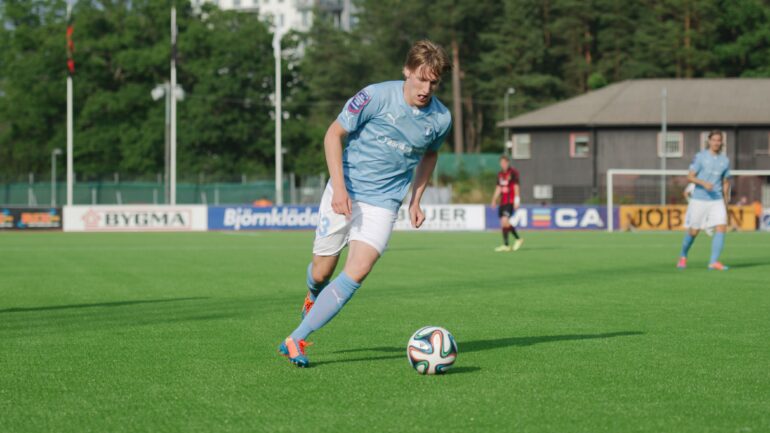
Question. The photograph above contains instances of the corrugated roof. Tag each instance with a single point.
(702, 101)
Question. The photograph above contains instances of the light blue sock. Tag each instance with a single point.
(716, 246)
(328, 304)
(686, 243)
(312, 286)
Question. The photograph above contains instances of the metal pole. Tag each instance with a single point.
(70, 170)
(610, 202)
(166, 143)
(664, 134)
(278, 118)
(507, 132)
(172, 132)
(53, 178)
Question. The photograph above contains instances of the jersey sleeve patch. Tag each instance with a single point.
(358, 102)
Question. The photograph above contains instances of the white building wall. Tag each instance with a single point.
(286, 14)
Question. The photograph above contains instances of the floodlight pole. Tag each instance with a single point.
(508, 93)
(172, 113)
(664, 153)
(164, 91)
(278, 119)
(70, 170)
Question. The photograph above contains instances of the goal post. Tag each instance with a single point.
(611, 173)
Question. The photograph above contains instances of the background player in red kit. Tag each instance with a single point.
(508, 191)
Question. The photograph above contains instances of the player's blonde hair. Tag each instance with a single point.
(426, 53)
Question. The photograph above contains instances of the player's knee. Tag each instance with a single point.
(358, 272)
(319, 277)
(322, 270)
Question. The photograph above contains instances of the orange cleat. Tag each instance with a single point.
(682, 263)
(307, 305)
(295, 352)
(718, 266)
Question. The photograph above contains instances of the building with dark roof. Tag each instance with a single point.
(568, 147)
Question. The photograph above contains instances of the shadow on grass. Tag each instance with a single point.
(747, 265)
(481, 345)
(66, 319)
(461, 370)
(101, 304)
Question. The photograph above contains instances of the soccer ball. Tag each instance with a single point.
(432, 350)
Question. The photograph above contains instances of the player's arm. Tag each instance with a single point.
(692, 177)
(424, 171)
(333, 143)
(516, 199)
(496, 195)
(726, 190)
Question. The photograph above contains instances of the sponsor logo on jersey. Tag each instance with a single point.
(358, 102)
(397, 145)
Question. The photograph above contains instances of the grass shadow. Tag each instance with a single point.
(461, 370)
(748, 265)
(101, 304)
(481, 345)
(67, 319)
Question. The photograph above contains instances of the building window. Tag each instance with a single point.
(280, 20)
(543, 192)
(579, 145)
(236, 3)
(704, 140)
(674, 145)
(521, 146)
(768, 145)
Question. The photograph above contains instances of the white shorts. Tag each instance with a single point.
(369, 223)
(705, 214)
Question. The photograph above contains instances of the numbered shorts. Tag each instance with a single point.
(370, 224)
(704, 214)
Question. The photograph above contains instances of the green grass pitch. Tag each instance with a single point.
(576, 332)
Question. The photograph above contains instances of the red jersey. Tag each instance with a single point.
(506, 181)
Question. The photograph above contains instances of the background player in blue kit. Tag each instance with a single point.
(389, 128)
(710, 172)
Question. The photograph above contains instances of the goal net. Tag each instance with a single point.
(659, 196)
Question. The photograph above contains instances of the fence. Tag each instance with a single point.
(471, 164)
(39, 194)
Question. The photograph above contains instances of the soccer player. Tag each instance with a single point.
(389, 129)
(710, 172)
(508, 191)
(687, 193)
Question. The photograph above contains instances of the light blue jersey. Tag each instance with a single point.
(713, 169)
(386, 140)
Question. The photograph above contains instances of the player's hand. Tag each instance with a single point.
(416, 216)
(341, 203)
(708, 185)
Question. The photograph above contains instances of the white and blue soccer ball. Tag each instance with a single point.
(432, 350)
